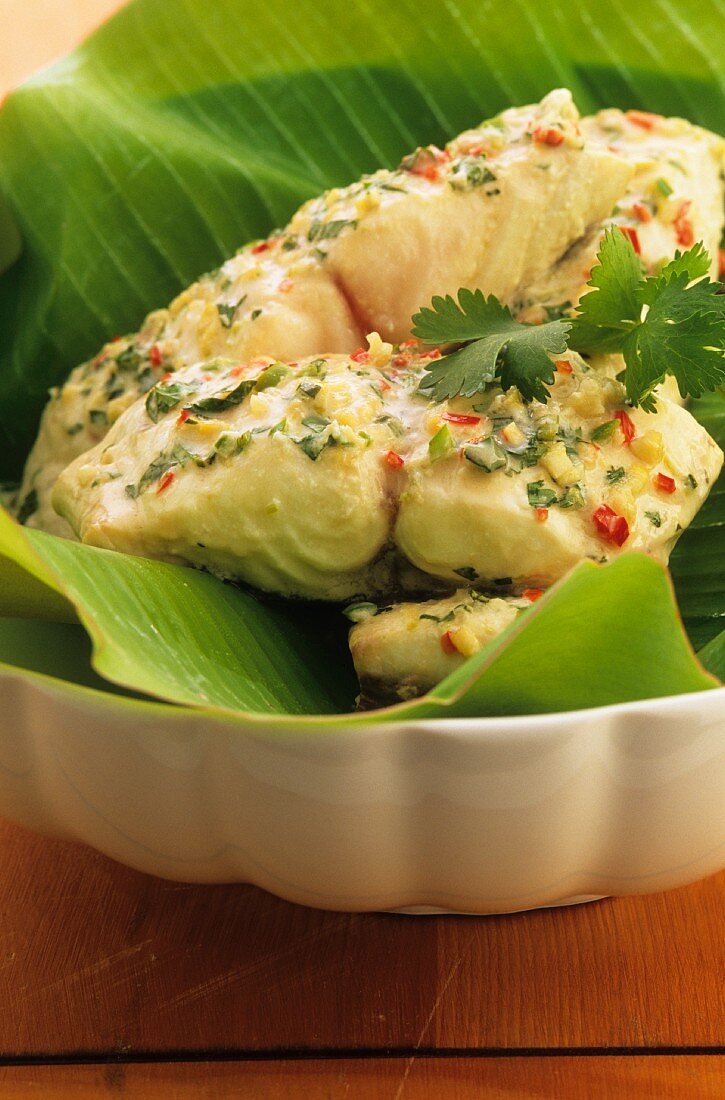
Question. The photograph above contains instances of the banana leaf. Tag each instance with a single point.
(179, 131)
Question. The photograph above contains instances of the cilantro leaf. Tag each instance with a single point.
(661, 324)
(608, 313)
(519, 354)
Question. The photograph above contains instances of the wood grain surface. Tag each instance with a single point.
(662, 1077)
(230, 992)
(100, 961)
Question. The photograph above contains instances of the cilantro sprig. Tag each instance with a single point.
(498, 346)
(671, 323)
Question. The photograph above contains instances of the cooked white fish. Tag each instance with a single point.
(330, 477)
(495, 209)
(404, 650)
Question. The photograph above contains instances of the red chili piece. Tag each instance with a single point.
(183, 416)
(532, 594)
(645, 119)
(447, 643)
(166, 481)
(642, 212)
(394, 460)
(683, 226)
(542, 514)
(563, 366)
(360, 356)
(461, 418)
(543, 136)
(263, 246)
(628, 429)
(155, 356)
(631, 233)
(611, 527)
(665, 484)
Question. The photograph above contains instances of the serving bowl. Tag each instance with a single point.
(162, 161)
(487, 815)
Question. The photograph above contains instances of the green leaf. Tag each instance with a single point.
(582, 643)
(518, 353)
(607, 313)
(180, 635)
(697, 561)
(165, 142)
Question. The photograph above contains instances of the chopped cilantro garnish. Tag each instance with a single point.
(324, 231)
(316, 423)
(604, 431)
(309, 388)
(539, 496)
(614, 474)
(655, 518)
(470, 172)
(224, 400)
(691, 481)
(229, 444)
(227, 311)
(272, 376)
(663, 187)
(164, 397)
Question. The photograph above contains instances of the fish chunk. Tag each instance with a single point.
(493, 210)
(332, 477)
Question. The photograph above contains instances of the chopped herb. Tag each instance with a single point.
(98, 416)
(316, 423)
(129, 358)
(227, 311)
(164, 397)
(663, 187)
(28, 506)
(179, 456)
(655, 518)
(272, 376)
(325, 231)
(313, 445)
(691, 482)
(614, 474)
(573, 497)
(440, 618)
(317, 368)
(255, 314)
(280, 426)
(467, 572)
(309, 388)
(471, 172)
(289, 244)
(224, 400)
(74, 429)
(441, 446)
(539, 496)
(229, 444)
(604, 431)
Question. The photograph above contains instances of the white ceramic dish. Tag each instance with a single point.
(486, 816)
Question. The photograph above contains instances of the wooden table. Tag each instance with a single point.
(116, 984)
